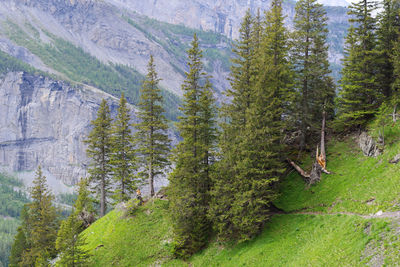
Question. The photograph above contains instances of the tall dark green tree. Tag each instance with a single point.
(123, 153)
(234, 116)
(309, 54)
(99, 151)
(360, 95)
(251, 148)
(154, 144)
(190, 181)
(388, 32)
(35, 241)
(261, 164)
(70, 243)
(20, 244)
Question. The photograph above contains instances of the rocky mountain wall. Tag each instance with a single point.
(44, 122)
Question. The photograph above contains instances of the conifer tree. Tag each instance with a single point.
(261, 150)
(84, 204)
(309, 55)
(99, 151)
(360, 95)
(154, 144)
(190, 181)
(42, 224)
(69, 241)
(233, 123)
(123, 157)
(396, 68)
(20, 244)
(388, 32)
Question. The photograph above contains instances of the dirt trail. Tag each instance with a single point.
(380, 214)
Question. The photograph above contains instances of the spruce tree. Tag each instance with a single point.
(388, 32)
(99, 151)
(233, 123)
(20, 244)
(261, 162)
(360, 95)
(123, 156)
(84, 204)
(154, 144)
(190, 181)
(309, 55)
(43, 224)
(69, 241)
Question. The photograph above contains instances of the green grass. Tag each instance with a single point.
(359, 184)
(288, 240)
(293, 239)
(137, 241)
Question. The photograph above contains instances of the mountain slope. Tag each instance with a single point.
(225, 16)
(103, 31)
(350, 218)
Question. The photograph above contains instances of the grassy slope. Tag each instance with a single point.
(288, 240)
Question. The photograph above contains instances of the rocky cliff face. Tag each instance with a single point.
(44, 122)
(225, 16)
(101, 29)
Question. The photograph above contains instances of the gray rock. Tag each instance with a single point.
(44, 122)
(395, 160)
(225, 16)
(368, 145)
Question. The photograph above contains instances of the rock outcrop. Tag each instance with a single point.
(225, 16)
(44, 122)
(368, 145)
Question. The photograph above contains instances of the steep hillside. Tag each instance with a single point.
(223, 16)
(118, 40)
(351, 218)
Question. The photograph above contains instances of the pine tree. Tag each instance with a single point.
(309, 55)
(260, 149)
(396, 68)
(70, 243)
(154, 144)
(99, 150)
(233, 123)
(42, 224)
(190, 181)
(360, 95)
(20, 244)
(84, 204)
(388, 32)
(123, 156)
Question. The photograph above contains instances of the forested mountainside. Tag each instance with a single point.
(350, 218)
(257, 143)
(106, 45)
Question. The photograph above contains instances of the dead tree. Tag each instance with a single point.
(319, 165)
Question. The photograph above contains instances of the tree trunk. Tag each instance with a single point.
(151, 178)
(122, 189)
(102, 198)
(323, 153)
(319, 165)
(394, 116)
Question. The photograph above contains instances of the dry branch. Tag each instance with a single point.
(320, 160)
